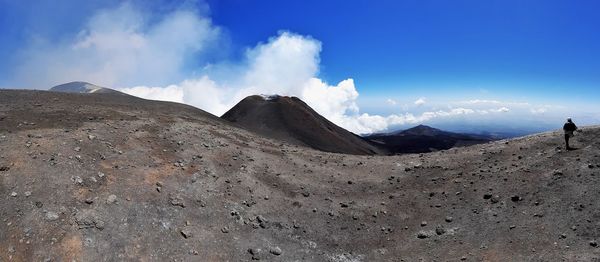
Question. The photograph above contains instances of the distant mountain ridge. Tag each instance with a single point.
(290, 119)
(83, 88)
(422, 139)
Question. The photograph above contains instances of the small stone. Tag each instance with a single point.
(195, 177)
(262, 222)
(91, 137)
(14, 194)
(51, 216)
(77, 149)
(89, 201)
(186, 233)
(424, 223)
(99, 224)
(225, 230)
(422, 235)
(100, 175)
(27, 193)
(176, 200)
(495, 199)
(306, 194)
(261, 219)
(256, 253)
(449, 219)
(77, 180)
(440, 230)
(487, 196)
(88, 218)
(111, 199)
(275, 251)
(515, 198)
(593, 243)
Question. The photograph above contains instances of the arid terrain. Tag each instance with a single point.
(109, 177)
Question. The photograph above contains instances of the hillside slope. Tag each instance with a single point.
(290, 119)
(112, 178)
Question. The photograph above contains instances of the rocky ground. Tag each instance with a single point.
(100, 177)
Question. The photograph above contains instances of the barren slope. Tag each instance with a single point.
(94, 177)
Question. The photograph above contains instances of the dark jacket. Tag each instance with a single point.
(569, 127)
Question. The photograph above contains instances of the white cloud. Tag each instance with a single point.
(366, 123)
(171, 93)
(261, 75)
(492, 102)
(484, 106)
(540, 110)
(421, 101)
(480, 101)
(500, 110)
(120, 47)
(391, 102)
(334, 102)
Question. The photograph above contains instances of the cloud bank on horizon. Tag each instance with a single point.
(121, 48)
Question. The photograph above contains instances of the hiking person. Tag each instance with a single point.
(569, 128)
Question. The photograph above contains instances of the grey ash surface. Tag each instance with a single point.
(97, 177)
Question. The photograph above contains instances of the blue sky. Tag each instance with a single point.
(497, 53)
(512, 47)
